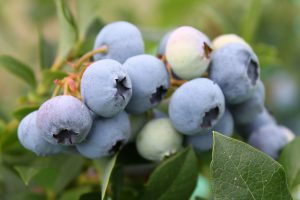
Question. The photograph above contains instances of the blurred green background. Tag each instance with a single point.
(272, 27)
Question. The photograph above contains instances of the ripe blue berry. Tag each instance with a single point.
(203, 141)
(196, 105)
(150, 82)
(234, 67)
(262, 119)
(158, 140)
(188, 52)
(106, 87)
(107, 136)
(31, 137)
(246, 111)
(163, 44)
(271, 139)
(123, 40)
(64, 120)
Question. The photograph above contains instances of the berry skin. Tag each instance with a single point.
(262, 119)
(234, 67)
(123, 40)
(246, 111)
(188, 52)
(107, 136)
(31, 137)
(64, 120)
(222, 40)
(196, 106)
(106, 87)
(150, 82)
(271, 139)
(204, 141)
(163, 44)
(158, 140)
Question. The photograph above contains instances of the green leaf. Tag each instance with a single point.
(90, 196)
(105, 167)
(21, 112)
(241, 172)
(69, 170)
(68, 30)
(19, 69)
(49, 76)
(175, 178)
(59, 172)
(74, 193)
(290, 161)
(27, 173)
(88, 11)
(46, 52)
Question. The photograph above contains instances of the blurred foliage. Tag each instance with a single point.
(31, 30)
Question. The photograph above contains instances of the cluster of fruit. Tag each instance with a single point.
(212, 87)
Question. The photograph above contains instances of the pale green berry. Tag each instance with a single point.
(221, 40)
(158, 140)
(188, 52)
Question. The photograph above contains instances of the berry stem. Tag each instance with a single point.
(85, 57)
(56, 90)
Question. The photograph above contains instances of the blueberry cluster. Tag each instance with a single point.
(207, 86)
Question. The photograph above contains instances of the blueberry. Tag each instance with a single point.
(262, 119)
(203, 141)
(271, 139)
(106, 87)
(246, 111)
(163, 44)
(150, 82)
(188, 52)
(64, 120)
(107, 136)
(123, 40)
(222, 40)
(31, 137)
(158, 140)
(196, 105)
(235, 68)
(284, 92)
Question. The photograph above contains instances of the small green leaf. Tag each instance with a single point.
(105, 167)
(88, 11)
(59, 171)
(68, 30)
(175, 178)
(19, 69)
(74, 193)
(70, 168)
(21, 112)
(49, 76)
(46, 52)
(241, 172)
(27, 173)
(291, 162)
